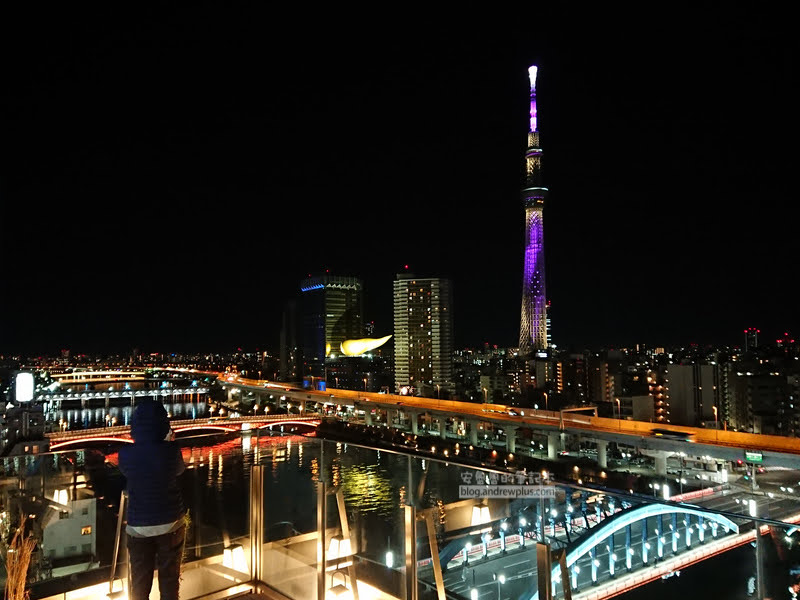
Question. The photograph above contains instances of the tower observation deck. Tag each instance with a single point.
(533, 321)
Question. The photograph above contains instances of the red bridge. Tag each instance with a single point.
(122, 433)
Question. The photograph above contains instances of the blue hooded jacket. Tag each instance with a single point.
(152, 465)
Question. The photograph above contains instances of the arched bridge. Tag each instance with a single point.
(122, 433)
(619, 546)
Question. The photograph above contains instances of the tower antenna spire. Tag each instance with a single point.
(533, 71)
(533, 320)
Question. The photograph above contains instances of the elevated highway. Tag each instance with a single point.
(723, 445)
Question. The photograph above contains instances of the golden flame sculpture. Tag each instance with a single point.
(357, 347)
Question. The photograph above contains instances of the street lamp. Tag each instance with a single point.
(619, 410)
(716, 420)
(485, 395)
(365, 384)
(545, 400)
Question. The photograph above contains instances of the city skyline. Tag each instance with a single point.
(185, 175)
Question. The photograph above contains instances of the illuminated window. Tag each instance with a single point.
(86, 530)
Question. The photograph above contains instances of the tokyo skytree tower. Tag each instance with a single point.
(533, 322)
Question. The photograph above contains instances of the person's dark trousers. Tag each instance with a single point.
(162, 552)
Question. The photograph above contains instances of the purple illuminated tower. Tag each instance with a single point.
(533, 324)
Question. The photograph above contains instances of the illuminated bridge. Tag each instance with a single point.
(122, 433)
(620, 546)
(95, 397)
(607, 544)
(98, 376)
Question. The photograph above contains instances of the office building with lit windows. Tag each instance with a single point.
(332, 312)
(423, 335)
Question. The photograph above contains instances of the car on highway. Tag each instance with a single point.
(672, 434)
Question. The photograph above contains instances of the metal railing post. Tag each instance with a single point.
(321, 529)
(256, 522)
(123, 497)
(544, 567)
(760, 587)
(435, 563)
(411, 552)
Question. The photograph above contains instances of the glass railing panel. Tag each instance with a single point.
(369, 489)
(68, 506)
(459, 527)
(292, 474)
(217, 548)
(614, 540)
(72, 500)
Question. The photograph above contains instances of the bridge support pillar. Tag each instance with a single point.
(602, 458)
(552, 445)
(628, 549)
(687, 522)
(612, 555)
(391, 417)
(302, 407)
(368, 416)
(427, 420)
(645, 544)
(442, 427)
(511, 438)
(230, 394)
(473, 432)
(661, 463)
(413, 416)
(674, 533)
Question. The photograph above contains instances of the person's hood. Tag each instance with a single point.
(150, 422)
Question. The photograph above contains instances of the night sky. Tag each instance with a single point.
(170, 177)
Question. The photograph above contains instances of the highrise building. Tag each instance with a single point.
(572, 379)
(533, 321)
(751, 338)
(332, 312)
(423, 335)
(685, 394)
(604, 380)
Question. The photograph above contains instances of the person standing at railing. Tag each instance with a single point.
(156, 527)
